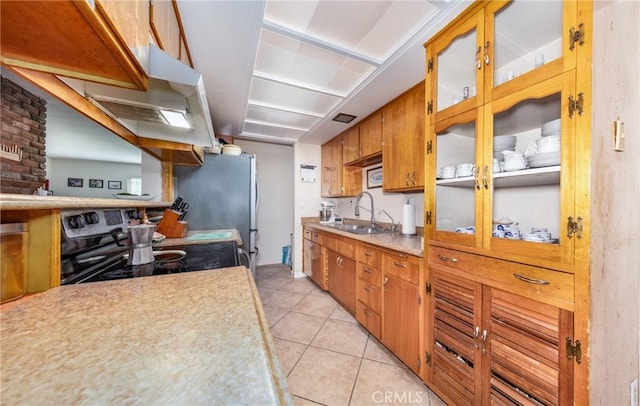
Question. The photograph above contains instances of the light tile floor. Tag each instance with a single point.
(329, 359)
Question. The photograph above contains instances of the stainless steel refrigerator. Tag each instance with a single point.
(223, 193)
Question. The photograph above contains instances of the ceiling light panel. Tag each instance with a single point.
(286, 97)
(283, 118)
(306, 65)
(372, 28)
(273, 131)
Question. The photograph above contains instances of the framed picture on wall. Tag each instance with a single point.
(374, 177)
(114, 184)
(74, 182)
(96, 183)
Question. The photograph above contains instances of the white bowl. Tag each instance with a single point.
(231, 149)
(551, 127)
(504, 141)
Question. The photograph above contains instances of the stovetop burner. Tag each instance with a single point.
(175, 259)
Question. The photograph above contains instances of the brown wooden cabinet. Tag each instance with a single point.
(336, 179)
(504, 91)
(101, 41)
(401, 307)
(369, 289)
(362, 144)
(342, 279)
(313, 258)
(492, 346)
(403, 141)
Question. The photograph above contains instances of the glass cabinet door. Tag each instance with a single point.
(457, 75)
(531, 186)
(525, 39)
(457, 201)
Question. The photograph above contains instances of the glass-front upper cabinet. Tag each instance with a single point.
(527, 40)
(455, 80)
(456, 198)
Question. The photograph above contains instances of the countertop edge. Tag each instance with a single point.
(395, 242)
(33, 202)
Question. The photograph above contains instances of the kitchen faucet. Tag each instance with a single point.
(393, 224)
(357, 211)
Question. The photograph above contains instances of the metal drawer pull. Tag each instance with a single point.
(447, 259)
(368, 289)
(367, 270)
(368, 254)
(530, 280)
(368, 312)
(386, 279)
(399, 265)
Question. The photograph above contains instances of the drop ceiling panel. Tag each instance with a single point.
(286, 97)
(294, 61)
(282, 118)
(272, 131)
(372, 28)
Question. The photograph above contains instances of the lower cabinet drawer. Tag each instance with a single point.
(405, 267)
(370, 295)
(542, 284)
(370, 274)
(369, 319)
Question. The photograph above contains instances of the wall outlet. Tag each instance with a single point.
(634, 392)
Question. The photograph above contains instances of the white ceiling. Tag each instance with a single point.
(279, 71)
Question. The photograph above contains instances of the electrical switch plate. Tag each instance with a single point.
(618, 135)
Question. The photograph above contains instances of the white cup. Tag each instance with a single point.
(496, 166)
(539, 60)
(448, 172)
(510, 75)
(464, 169)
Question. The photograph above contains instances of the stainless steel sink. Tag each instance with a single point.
(359, 229)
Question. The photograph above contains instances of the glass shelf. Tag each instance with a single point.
(549, 175)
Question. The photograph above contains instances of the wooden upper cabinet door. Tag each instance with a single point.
(331, 153)
(403, 148)
(371, 135)
(165, 27)
(79, 40)
(351, 145)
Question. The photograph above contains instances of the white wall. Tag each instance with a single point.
(274, 163)
(615, 192)
(151, 176)
(59, 169)
(307, 197)
(390, 202)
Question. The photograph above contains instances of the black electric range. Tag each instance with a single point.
(168, 259)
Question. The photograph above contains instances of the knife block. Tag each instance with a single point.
(171, 226)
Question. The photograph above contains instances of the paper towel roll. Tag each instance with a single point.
(408, 219)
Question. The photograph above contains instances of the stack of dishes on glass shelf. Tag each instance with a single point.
(538, 235)
(464, 169)
(545, 151)
(505, 228)
(502, 143)
(466, 230)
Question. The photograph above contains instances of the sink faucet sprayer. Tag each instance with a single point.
(357, 211)
(393, 223)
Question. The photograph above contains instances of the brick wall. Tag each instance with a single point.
(23, 124)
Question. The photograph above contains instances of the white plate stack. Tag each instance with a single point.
(546, 151)
(503, 143)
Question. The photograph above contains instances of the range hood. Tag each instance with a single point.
(173, 87)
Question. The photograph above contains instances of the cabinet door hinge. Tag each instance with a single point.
(427, 288)
(419, 363)
(574, 350)
(429, 65)
(576, 104)
(574, 227)
(427, 216)
(430, 107)
(429, 147)
(576, 36)
(419, 299)
(427, 357)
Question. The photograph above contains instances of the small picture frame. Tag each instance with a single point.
(97, 183)
(74, 182)
(374, 177)
(114, 184)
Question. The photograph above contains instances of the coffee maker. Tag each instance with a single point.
(328, 213)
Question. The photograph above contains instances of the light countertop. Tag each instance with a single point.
(191, 338)
(34, 202)
(412, 245)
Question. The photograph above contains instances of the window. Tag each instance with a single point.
(134, 186)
